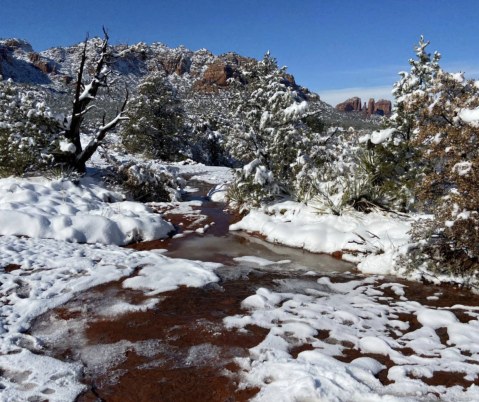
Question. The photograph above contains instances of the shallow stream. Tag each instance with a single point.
(178, 350)
(174, 346)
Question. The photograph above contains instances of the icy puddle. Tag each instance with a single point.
(174, 348)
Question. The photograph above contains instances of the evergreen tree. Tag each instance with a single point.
(28, 131)
(393, 159)
(448, 129)
(272, 140)
(155, 126)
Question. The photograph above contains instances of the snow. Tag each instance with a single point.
(356, 315)
(218, 193)
(380, 136)
(262, 262)
(462, 168)
(85, 213)
(200, 172)
(51, 272)
(459, 77)
(296, 109)
(470, 116)
(29, 375)
(436, 318)
(66, 146)
(168, 274)
(373, 240)
(72, 235)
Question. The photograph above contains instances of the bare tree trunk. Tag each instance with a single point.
(84, 95)
(91, 148)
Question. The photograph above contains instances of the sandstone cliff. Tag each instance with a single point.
(381, 107)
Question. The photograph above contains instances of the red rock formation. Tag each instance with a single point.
(350, 105)
(383, 107)
(370, 109)
(45, 66)
(178, 64)
(217, 73)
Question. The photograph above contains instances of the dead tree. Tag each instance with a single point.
(84, 95)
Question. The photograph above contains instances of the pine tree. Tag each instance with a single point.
(272, 140)
(155, 125)
(394, 159)
(448, 129)
(29, 132)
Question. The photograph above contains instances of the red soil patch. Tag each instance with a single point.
(11, 267)
(185, 318)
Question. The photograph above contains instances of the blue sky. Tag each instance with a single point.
(336, 48)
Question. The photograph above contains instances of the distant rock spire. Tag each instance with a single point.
(381, 107)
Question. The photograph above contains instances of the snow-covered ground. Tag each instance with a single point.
(51, 272)
(45, 228)
(370, 318)
(84, 212)
(201, 172)
(373, 240)
(63, 239)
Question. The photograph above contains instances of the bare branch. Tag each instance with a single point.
(331, 136)
(79, 86)
(101, 134)
(84, 112)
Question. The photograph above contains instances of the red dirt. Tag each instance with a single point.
(11, 267)
(185, 318)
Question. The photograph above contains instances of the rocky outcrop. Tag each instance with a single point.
(350, 105)
(43, 65)
(370, 109)
(189, 71)
(14, 44)
(218, 73)
(381, 107)
(21, 64)
(179, 64)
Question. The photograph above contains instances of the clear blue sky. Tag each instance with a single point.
(329, 46)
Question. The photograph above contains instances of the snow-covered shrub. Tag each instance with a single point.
(155, 127)
(434, 143)
(392, 170)
(143, 181)
(448, 132)
(337, 176)
(354, 190)
(28, 130)
(395, 162)
(206, 143)
(272, 140)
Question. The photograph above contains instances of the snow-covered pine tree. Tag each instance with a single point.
(448, 129)
(393, 162)
(206, 141)
(272, 140)
(413, 91)
(28, 130)
(155, 127)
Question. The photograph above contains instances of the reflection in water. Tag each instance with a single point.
(225, 248)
